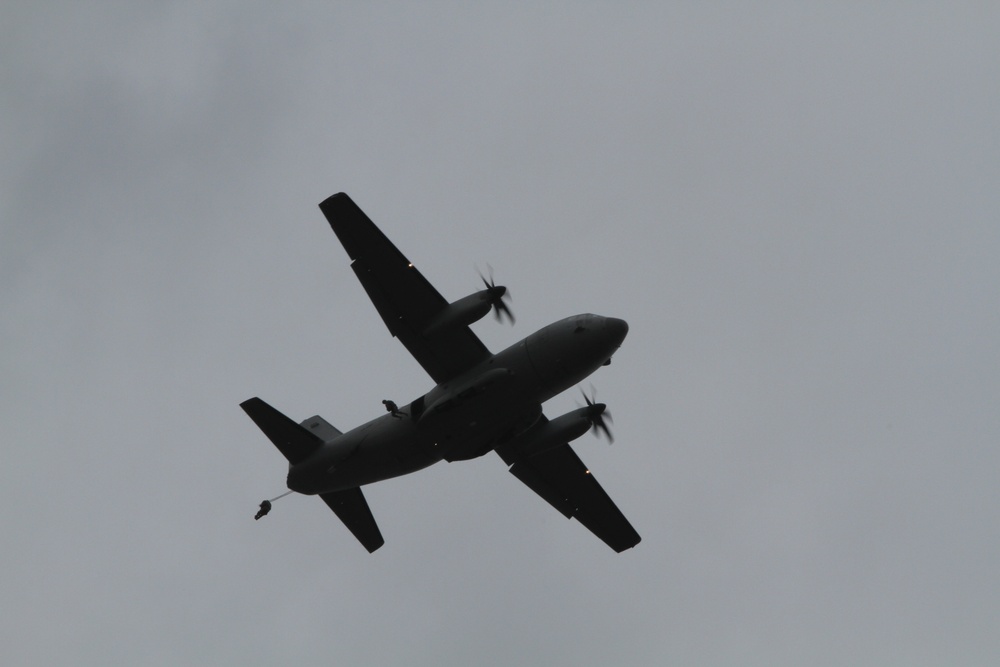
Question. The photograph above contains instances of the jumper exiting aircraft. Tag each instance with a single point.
(482, 401)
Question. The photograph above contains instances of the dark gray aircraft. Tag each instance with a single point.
(482, 401)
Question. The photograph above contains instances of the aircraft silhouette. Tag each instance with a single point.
(482, 401)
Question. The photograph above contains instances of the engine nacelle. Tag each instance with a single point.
(554, 433)
(463, 312)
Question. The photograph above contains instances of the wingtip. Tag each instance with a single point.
(250, 402)
(335, 199)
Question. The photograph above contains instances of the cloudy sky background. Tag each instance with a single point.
(794, 208)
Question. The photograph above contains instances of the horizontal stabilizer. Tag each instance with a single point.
(352, 508)
(296, 442)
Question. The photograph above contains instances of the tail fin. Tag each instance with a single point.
(296, 442)
(322, 428)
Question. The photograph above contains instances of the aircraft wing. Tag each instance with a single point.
(403, 297)
(560, 477)
(352, 508)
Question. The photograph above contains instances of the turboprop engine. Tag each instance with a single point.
(473, 308)
(561, 430)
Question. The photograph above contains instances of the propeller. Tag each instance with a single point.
(496, 294)
(597, 413)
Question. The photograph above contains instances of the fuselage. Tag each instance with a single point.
(469, 415)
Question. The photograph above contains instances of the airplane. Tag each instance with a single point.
(482, 402)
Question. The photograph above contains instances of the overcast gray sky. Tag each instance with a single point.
(794, 207)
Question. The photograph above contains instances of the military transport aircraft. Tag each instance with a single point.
(482, 401)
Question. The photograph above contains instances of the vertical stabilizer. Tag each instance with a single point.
(322, 428)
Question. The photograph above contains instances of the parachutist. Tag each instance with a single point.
(265, 507)
(393, 409)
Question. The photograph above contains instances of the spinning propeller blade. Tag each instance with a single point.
(597, 413)
(496, 295)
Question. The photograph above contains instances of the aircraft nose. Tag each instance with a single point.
(617, 328)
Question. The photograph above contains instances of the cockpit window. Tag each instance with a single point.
(582, 323)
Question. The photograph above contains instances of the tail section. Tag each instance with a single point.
(352, 508)
(296, 442)
(322, 428)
